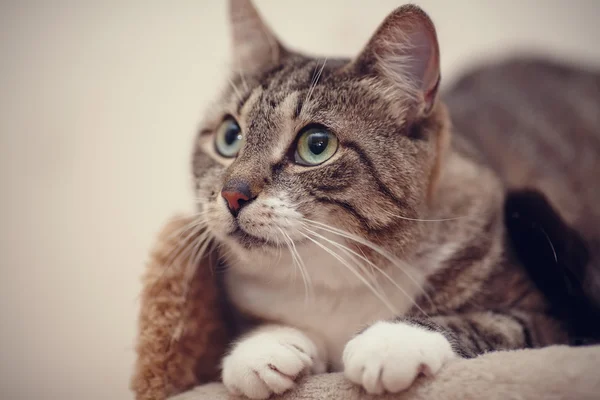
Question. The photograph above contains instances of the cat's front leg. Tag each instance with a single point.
(388, 356)
(269, 360)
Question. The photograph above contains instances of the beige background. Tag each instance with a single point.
(99, 101)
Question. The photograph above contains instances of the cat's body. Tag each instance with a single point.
(537, 125)
(341, 205)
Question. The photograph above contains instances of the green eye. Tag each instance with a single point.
(315, 146)
(228, 139)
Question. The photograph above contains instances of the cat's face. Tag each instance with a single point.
(299, 147)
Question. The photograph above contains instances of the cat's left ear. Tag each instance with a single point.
(255, 47)
(404, 51)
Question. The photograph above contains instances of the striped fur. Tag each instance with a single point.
(422, 213)
(547, 115)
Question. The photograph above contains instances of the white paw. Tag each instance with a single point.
(387, 357)
(269, 361)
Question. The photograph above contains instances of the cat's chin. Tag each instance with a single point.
(249, 241)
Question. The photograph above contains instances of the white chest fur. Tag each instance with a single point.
(337, 307)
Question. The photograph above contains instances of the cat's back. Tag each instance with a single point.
(537, 124)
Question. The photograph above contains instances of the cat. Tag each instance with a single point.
(358, 234)
(542, 139)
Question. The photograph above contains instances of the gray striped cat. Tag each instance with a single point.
(357, 235)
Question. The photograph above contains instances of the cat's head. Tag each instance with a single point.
(298, 145)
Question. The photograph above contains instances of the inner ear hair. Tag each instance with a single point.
(404, 51)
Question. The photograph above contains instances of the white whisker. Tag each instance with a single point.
(380, 296)
(314, 82)
(551, 246)
(192, 224)
(390, 257)
(298, 261)
(241, 72)
(193, 239)
(190, 270)
(370, 263)
(188, 250)
(348, 252)
(427, 220)
(235, 89)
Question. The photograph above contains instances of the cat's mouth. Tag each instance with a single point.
(249, 241)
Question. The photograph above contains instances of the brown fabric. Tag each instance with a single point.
(557, 372)
(176, 352)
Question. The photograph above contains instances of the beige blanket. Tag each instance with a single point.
(558, 372)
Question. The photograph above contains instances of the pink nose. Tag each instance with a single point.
(234, 199)
(237, 194)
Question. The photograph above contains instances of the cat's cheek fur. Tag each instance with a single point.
(268, 361)
(389, 356)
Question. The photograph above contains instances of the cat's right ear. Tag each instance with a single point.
(404, 51)
(255, 47)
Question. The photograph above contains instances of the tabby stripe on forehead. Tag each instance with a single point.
(298, 108)
(269, 77)
(316, 77)
(256, 112)
(275, 79)
(373, 172)
(262, 84)
(300, 82)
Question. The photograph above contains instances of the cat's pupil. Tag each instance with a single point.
(317, 142)
(232, 134)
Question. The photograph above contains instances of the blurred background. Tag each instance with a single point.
(99, 102)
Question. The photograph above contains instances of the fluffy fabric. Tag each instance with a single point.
(183, 336)
(557, 372)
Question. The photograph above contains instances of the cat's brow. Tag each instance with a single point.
(298, 108)
(243, 98)
(252, 98)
